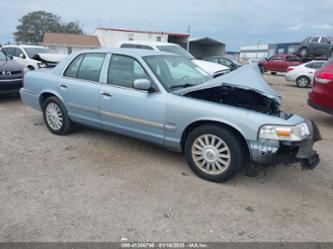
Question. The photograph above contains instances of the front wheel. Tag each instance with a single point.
(56, 117)
(214, 153)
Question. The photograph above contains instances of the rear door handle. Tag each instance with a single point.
(106, 94)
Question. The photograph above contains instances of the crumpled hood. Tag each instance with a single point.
(210, 67)
(246, 77)
(51, 57)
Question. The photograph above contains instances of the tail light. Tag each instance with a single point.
(290, 69)
(324, 78)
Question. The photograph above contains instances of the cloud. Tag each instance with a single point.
(236, 22)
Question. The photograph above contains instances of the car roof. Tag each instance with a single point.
(149, 43)
(131, 51)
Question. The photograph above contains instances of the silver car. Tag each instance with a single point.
(219, 124)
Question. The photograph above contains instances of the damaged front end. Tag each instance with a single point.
(275, 144)
(271, 152)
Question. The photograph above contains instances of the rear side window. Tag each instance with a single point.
(73, 68)
(91, 67)
(86, 67)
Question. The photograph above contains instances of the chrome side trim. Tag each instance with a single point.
(83, 108)
(11, 80)
(170, 127)
(133, 120)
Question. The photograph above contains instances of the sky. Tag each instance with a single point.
(234, 22)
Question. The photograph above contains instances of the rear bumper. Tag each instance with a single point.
(30, 98)
(10, 86)
(267, 153)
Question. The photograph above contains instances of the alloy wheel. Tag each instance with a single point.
(211, 154)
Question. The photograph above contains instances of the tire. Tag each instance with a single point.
(273, 73)
(303, 82)
(209, 168)
(56, 117)
(262, 69)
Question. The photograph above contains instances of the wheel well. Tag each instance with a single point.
(303, 76)
(194, 125)
(43, 97)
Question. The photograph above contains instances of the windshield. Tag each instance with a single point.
(33, 51)
(175, 49)
(176, 72)
(2, 56)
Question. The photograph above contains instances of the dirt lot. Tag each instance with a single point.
(96, 186)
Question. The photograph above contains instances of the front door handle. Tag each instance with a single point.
(106, 94)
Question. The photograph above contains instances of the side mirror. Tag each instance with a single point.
(22, 56)
(143, 85)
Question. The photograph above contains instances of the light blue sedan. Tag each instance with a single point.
(220, 124)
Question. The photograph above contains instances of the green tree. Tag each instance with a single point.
(34, 24)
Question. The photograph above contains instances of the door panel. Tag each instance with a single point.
(127, 110)
(131, 112)
(81, 100)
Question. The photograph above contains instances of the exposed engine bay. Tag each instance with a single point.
(238, 97)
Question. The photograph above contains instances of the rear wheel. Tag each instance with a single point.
(303, 82)
(56, 117)
(214, 153)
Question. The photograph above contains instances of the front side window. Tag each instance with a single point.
(176, 72)
(18, 52)
(124, 70)
(277, 58)
(324, 40)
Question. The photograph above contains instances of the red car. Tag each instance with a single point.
(279, 63)
(321, 95)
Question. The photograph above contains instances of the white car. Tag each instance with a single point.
(214, 69)
(303, 74)
(33, 57)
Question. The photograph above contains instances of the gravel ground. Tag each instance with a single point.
(97, 186)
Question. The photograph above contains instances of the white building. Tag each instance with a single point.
(253, 52)
(68, 43)
(110, 37)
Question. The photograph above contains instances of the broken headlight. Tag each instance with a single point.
(285, 133)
